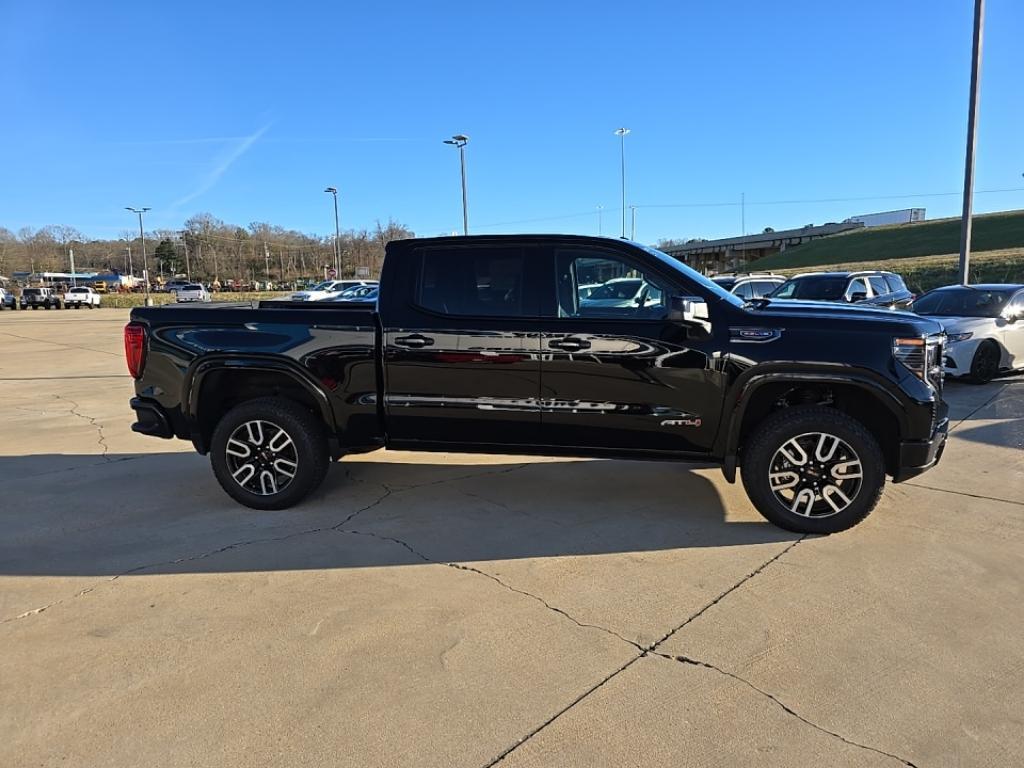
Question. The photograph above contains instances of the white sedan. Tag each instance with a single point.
(191, 292)
(984, 327)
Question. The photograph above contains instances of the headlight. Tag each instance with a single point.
(922, 356)
(951, 337)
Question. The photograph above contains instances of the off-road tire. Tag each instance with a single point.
(774, 432)
(307, 434)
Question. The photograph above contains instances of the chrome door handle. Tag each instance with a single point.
(414, 341)
(569, 344)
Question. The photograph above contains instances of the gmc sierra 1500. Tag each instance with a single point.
(487, 344)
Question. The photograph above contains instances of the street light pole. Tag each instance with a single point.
(600, 219)
(459, 140)
(145, 264)
(621, 133)
(337, 233)
(972, 120)
(632, 228)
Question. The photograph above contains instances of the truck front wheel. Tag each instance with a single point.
(269, 453)
(813, 470)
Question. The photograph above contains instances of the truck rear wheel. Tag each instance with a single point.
(269, 453)
(813, 470)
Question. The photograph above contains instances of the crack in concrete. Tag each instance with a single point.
(693, 617)
(492, 577)
(652, 649)
(101, 438)
(203, 556)
(782, 705)
(964, 493)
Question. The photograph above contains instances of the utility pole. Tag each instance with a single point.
(131, 267)
(188, 264)
(280, 258)
(71, 255)
(460, 140)
(600, 218)
(632, 229)
(743, 213)
(145, 265)
(972, 121)
(337, 234)
(266, 259)
(621, 133)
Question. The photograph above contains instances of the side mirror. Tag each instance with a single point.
(692, 310)
(857, 296)
(1012, 318)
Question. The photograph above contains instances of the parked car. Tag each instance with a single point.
(984, 327)
(81, 296)
(364, 293)
(750, 285)
(877, 289)
(39, 297)
(328, 289)
(482, 344)
(7, 299)
(191, 292)
(621, 293)
(173, 286)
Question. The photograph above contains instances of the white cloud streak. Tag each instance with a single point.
(223, 164)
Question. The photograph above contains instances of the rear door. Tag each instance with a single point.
(622, 378)
(462, 345)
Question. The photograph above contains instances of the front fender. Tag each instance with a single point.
(747, 384)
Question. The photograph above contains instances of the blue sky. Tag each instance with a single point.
(248, 110)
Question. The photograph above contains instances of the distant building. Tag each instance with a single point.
(902, 216)
(732, 253)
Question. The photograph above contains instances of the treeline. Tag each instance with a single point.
(205, 247)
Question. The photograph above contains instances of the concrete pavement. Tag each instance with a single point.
(427, 609)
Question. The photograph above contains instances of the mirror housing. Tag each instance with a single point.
(692, 310)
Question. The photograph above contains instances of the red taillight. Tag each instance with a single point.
(135, 348)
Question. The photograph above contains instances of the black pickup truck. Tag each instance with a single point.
(553, 345)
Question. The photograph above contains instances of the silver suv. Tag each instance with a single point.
(40, 297)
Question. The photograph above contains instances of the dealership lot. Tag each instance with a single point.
(459, 610)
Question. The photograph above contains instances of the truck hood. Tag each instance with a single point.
(806, 312)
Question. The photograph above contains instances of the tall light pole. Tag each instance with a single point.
(632, 227)
(145, 264)
(600, 219)
(621, 133)
(972, 120)
(337, 233)
(460, 141)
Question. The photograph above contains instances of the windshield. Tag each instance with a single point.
(193, 288)
(706, 283)
(31, 292)
(322, 286)
(812, 287)
(617, 289)
(962, 302)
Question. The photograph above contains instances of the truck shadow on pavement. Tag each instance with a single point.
(165, 513)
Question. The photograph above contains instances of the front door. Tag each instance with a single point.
(462, 347)
(616, 373)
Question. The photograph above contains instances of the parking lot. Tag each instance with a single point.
(451, 610)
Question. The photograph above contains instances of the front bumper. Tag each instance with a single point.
(917, 456)
(150, 419)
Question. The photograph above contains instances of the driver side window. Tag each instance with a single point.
(604, 285)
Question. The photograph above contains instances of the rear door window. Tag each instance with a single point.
(878, 285)
(857, 285)
(745, 290)
(476, 282)
(896, 284)
(763, 287)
